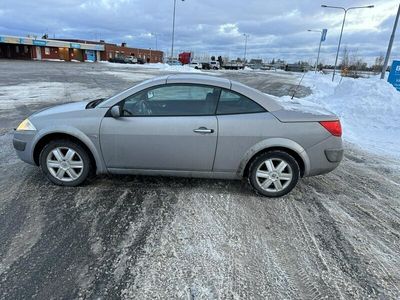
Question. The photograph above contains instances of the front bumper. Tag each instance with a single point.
(23, 145)
(19, 145)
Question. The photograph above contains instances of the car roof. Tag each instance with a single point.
(199, 79)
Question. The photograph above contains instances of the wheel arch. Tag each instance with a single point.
(80, 139)
(286, 145)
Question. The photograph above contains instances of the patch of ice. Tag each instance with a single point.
(13, 96)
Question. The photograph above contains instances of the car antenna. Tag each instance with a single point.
(297, 87)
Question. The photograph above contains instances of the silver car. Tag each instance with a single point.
(183, 125)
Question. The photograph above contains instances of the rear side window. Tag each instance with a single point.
(234, 103)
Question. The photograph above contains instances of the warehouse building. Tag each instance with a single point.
(71, 50)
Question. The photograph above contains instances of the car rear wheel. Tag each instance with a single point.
(65, 162)
(274, 173)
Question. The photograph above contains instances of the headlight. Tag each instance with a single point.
(26, 125)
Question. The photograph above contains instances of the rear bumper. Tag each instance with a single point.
(325, 156)
(334, 155)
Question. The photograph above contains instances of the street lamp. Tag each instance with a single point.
(173, 30)
(319, 48)
(246, 36)
(341, 32)
(155, 35)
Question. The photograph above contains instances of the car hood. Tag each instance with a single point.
(302, 111)
(63, 108)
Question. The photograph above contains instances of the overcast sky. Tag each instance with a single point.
(277, 29)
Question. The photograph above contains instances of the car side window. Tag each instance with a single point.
(234, 103)
(173, 100)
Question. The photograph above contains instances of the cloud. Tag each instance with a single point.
(277, 29)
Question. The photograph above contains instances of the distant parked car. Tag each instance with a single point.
(120, 60)
(205, 66)
(183, 125)
(195, 65)
(174, 62)
(131, 60)
(215, 65)
(140, 61)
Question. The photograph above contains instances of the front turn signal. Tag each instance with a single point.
(26, 125)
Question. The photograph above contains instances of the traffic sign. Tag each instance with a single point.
(394, 75)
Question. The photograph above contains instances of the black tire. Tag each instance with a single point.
(83, 156)
(275, 156)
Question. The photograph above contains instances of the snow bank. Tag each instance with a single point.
(156, 66)
(369, 110)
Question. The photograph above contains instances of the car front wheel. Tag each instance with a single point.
(65, 162)
(274, 173)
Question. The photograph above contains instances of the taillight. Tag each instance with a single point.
(333, 127)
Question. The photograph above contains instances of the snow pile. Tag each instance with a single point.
(155, 66)
(369, 110)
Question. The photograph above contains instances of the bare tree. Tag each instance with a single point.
(377, 67)
(345, 59)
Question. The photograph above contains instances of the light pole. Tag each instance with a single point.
(155, 35)
(173, 29)
(341, 32)
(319, 48)
(385, 64)
(246, 36)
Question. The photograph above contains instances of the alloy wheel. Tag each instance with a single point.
(65, 164)
(274, 175)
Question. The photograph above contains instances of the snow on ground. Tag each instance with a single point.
(159, 67)
(126, 75)
(369, 109)
(38, 92)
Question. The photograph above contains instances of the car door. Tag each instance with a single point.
(168, 127)
(242, 123)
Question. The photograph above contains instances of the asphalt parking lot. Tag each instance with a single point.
(134, 237)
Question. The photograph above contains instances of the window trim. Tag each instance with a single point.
(264, 110)
(239, 113)
(120, 104)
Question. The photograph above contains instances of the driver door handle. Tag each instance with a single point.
(203, 130)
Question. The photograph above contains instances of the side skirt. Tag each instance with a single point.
(194, 174)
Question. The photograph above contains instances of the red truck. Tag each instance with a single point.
(185, 57)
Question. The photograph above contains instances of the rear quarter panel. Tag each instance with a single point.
(238, 134)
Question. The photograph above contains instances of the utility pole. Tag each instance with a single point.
(389, 50)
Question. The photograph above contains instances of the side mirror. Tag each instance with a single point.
(116, 111)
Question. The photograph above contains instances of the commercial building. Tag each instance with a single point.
(112, 51)
(71, 50)
(42, 49)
